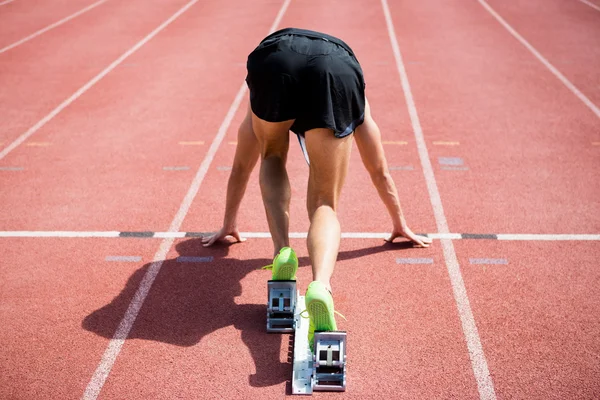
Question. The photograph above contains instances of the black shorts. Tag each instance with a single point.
(307, 76)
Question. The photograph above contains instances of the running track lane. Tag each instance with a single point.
(39, 75)
(488, 100)
(24, 18)
(207, 26)
(566, 33)
(523, 135)
(124, 135)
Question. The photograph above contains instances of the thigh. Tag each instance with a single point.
(329, 157)
(273, 137)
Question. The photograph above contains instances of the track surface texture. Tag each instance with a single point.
(118, 124)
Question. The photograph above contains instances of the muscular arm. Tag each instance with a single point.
(370, 147)
(246, 155)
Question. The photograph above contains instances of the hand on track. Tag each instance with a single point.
(212, 238)
(419, 241)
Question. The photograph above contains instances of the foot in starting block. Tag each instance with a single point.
(281, 306)
(329, 361)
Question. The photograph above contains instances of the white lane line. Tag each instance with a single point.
(541, 58)
(476, 354)
(589, 3)
(550, 237)
(300, 235)
(116, 343)
(6, 2)
(92, 82)
(52, 26)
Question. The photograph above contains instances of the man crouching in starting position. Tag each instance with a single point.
(312, 84)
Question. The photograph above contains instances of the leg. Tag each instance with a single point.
(274, 140)
(329, 158)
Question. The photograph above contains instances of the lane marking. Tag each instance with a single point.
(450, 161)
(541, 58)
(414, 260)
(190, 259)
(38, 144)
(224, 168)
(6, 2)
(91, 82)
(442, 143)
(399, 143)
(123, 258)
(488, 261)
(481, 371)
(196, 143)
(401, 168)
(232, 143)
(116, 343)
(52, 26)
(551, 237)
(182, 168)
(301, 235)
(589, 3)
(143, 234)
(488, 236)
(448, 168)
(11, 168)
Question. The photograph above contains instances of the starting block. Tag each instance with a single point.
(281, 306)
(329, 361)
(325, 370)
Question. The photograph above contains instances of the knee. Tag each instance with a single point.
(314, 204)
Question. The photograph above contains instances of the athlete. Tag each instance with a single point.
(312, 84)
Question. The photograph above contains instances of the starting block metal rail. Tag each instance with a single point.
(326, 369)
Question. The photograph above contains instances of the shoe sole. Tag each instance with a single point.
(285, 273)
(320, 316)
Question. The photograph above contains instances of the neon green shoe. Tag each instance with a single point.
(321, 314)
(284, 265)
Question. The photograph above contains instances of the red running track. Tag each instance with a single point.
(123, 155)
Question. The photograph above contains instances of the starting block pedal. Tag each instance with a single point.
(325, 370)
(282, 306)
(329, 361)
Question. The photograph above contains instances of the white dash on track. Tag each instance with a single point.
(401, 168)
(52, 26)
(414, 260)
(479, 365)
(494, 261)
(6, 2)
(123, 258)
(192, 143)
(543, 60)
(11, 168)
(192, 259)
(450, 161)
(442, 143)
(38, 144)
(183, 168)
